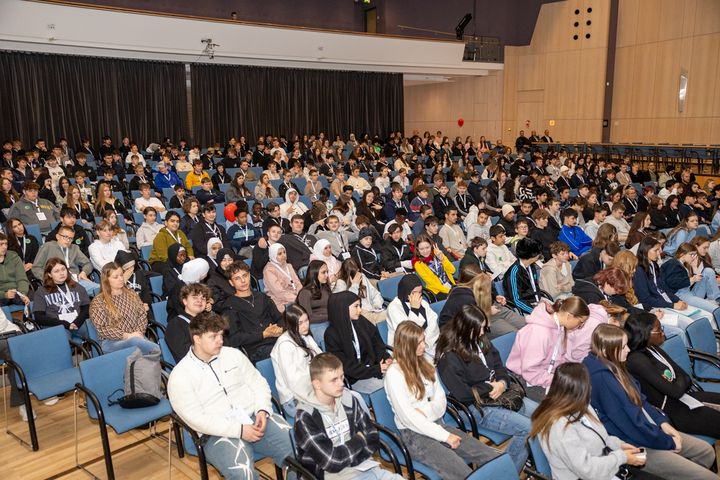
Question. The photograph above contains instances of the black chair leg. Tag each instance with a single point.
(107, 453)
(278, 473)
(15, 369)
(178, 440)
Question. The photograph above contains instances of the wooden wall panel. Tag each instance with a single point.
(628, 13)
(707, 13)
(531, 72)
(704, 80)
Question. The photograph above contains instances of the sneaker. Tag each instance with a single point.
(51, 401)
(23, 413)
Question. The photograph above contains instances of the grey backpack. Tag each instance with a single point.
(143, 385)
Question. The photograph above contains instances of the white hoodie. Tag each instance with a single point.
(292, 368)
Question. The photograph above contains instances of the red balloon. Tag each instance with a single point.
(461, 122)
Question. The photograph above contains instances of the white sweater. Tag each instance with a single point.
(292, 368)
(396, 315)
(373, 301)
(145, 235)
(197, 392)
(499, 259)
(406, 406)
(104, 253)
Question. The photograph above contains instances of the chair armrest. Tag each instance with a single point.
(393, 458)
(96, 403)
(532, 473)
(460, 407)
(450, 410)
(198, 444)
(277, 406)
(93, 345)
(431, 298)
(696, 355)
(301, 472)
(395, 438)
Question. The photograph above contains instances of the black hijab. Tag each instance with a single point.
(172, 255)
(407, 284)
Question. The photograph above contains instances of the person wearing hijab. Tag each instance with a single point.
(135, 278)
(410, 305)
(281, 282)
(292, 205)
(177, 256)
(194, 271)
(357, 343)
(322, 250)
(214, 245)
(217, 277)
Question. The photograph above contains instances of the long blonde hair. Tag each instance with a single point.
(627, 262)
(106, 291)
(480, 284)
(415, 368)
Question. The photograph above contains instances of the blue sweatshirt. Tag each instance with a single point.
(576, 238)
(620, 416)
(648, 289)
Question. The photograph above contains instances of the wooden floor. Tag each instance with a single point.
(57, 453)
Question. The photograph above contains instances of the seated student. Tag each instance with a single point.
(626, 413)
(338, 238)
(314, 296)
(291, 356)
(600, 212)
(421, 198)
(207, 229)
(410, 305)
(540, 346)
(452, 235)
(194, 298)
(610, 284)
(118, 314)
(20, 242)
(469, 366)
(177, 256)
(521, 281)
(193, 271)
(367, 257)
(556, 275)
(60, 300)
(104, 249)
(14, 284)
(135, 277)
(333, 432)
(243, 236)
(191, 207)
(64, 248)
(617, 220)
(298, 244)
(255, 322)
(69, 218)
(480, 228)
(352, 279)
(395, 254)
(356, 342)
(217, 277)
(572, 437)
(147, 200)
(639, 228)
(169, 235)
(541, 232)
(499, 257)
(292, 205)
(196, 175)
(178, 200)
(476, 255)
(281, 282)
(433, 267)
(595, 260)
(573, 235)
(149, 229)
(507, 220)
(666, 385)
(260, 256)
(685, 231)
(208, 194)
(273, 218)
(166, 178)
(413, 388)
(229, 403)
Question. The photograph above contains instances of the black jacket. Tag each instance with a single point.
(460, 377)
(372, 350)
(458, 297)
(368, 260)
(248, 319)
(82, 239)
(298, 249)
(389, 254)
(177, 336)
(588, 264)
(201, 233)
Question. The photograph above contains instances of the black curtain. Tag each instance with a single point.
(238, 100)
(54, 96)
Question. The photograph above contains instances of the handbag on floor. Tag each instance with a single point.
(143, 384)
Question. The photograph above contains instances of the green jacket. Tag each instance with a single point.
(12, 275)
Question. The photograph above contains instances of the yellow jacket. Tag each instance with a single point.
(163, 241)
(432, 282)
(194, 180)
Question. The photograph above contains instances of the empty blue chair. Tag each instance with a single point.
(438, 306)
(43, 366)
(101, 377)
(145, 252)
(504, 344)
(388, 287)
(702, 340)
(156, 284)
(500, 468)
(166, 353)
(34, 230)
(539, 459)
(160, 312)
(676, 349)
(383, 330)
(385, 422)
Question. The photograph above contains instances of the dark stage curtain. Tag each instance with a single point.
(239, 100)
(53, 96)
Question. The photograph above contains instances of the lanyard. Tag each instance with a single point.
(66, 252)
(177, 239)
(133, 284)
(167, 177)
(23, 242)
(556, 348)
(340, 241)
(37, 204)
(285, 271)
(184, 318)
(400, 252)
(633, 203)
(355, 342)
(67, 295)
(213, 229)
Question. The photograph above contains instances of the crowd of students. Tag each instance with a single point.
(276, 252)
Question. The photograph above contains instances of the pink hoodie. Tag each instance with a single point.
(535, 342)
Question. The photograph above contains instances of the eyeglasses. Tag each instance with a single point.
(66, 237)
(658, 332)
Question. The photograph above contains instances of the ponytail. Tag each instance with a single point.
(575, 306)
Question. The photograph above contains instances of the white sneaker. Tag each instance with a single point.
(23, 413)
(51, 401)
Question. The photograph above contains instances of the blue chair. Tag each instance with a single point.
(34, 230)
(145, 252)
(388, 287)
(704, 344)
(539, 459)
(385, 423)
(456, 264)
(675, 347)
(159, 310)
(138, 218)
(156, 284)
(101, 377)
(265, 367)
(500, 468)
(504, 344)
(438, 306)
(166, 353)
(383, 330)
(45, 375)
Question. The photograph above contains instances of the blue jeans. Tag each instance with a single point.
(708, 286)
(506, 421)
(235, 458)
(145, 346)
(318, 332)
(693, 300)
(92, 288)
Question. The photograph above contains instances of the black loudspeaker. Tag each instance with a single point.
(460, 29)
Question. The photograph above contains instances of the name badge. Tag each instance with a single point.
(345, 255)
(338, 431)
(41, 216)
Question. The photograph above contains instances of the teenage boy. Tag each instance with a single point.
(195, 177)
(395, 202)
(147, 200)
(220, 395)
(338, 239)
(452, 235)
(178, 199)
(194, 298)
(32, 210)
(206, 229)
(208, 194)
(69, 218)
(298, 244)
(600, 212)
(243, 236)
(507, 221)
(481, 227)
(617, 220)
(499, 257)
(573, 235)
(335, 436)
(522, 279)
